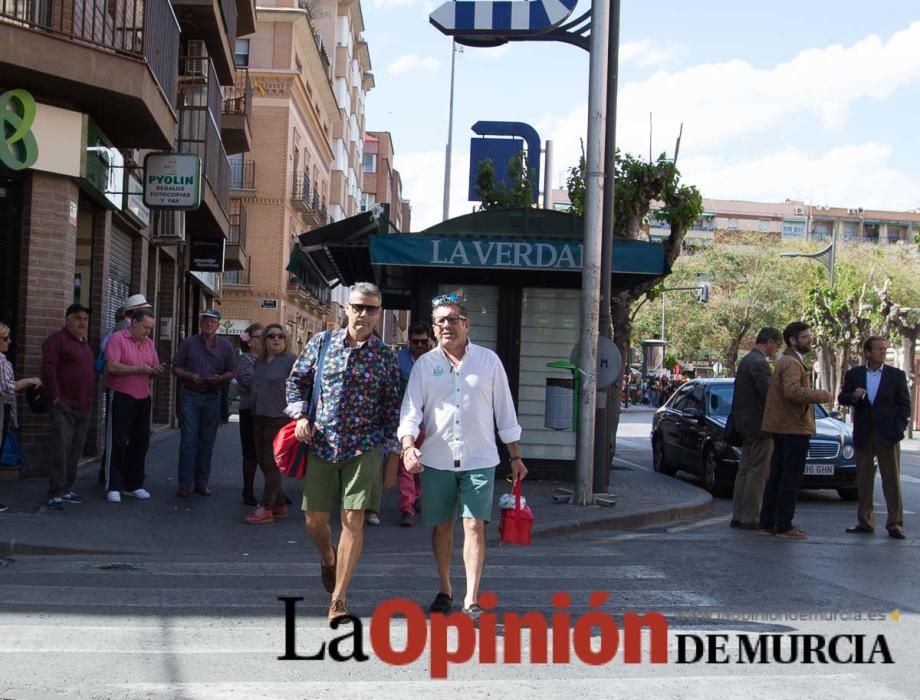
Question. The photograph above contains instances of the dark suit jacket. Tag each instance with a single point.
(752, 379)
(888, 416)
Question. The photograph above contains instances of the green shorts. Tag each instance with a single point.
(443, 489)
(351, 484)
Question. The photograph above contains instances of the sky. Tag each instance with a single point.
(813, 100)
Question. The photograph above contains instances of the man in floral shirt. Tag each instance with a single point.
(355, 425)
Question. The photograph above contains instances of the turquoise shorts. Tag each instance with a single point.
(444, 489)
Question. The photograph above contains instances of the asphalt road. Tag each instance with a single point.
(210, 626)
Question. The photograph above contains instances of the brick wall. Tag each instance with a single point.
(48, 255)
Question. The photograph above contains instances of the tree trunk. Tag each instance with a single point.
(622, 334)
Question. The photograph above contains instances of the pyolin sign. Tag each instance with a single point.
(172, 180)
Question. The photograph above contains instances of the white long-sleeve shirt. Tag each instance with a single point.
(460, 408)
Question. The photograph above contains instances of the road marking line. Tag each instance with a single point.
(702, 523)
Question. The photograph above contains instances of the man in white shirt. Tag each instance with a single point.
(460, 392)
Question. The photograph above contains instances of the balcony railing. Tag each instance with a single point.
(300, 193)
(145, 29)
(243, 174)
(229, 12)
(199, 123)
(238, 218)
(238, 97)
(238, 277)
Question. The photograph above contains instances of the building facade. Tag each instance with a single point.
(792, 220)
(301, 173)
(91, 99)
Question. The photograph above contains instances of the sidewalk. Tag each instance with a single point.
(213, 525)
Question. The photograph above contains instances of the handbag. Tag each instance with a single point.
(291, 453)
(516, 524)
(12, 452)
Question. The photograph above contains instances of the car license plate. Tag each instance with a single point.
(819, 469)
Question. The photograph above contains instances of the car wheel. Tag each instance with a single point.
(848, 494)
(710, 465)
(658, 461)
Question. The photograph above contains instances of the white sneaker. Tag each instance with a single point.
(372, 519)
(142, 494)
(113, 497)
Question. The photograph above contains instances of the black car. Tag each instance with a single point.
(687, 435)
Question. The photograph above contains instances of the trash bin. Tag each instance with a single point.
(560, 397)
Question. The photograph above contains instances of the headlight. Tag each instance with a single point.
(848, 452)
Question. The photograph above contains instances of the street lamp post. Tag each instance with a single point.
(454, 49)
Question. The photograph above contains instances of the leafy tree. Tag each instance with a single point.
(494, 195)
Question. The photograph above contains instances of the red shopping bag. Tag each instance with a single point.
(290, 453)
(516, 523)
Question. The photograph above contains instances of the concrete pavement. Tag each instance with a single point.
(212, 524)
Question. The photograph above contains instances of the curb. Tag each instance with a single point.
(626, 521)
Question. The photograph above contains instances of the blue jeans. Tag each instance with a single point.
(782, 490)
(200, 418)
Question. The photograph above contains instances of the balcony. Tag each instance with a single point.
(242, 177)
(199, 133)
(237, 278)
(118, 66)
(236, 120)
(214, 22)
(235, 258)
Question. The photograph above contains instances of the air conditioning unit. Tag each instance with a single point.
(197, 55)
(851, 211)
(800, 211)
(169, 228)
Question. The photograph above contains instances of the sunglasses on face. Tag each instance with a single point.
(275, 336)
(369, 309)
(445, 320)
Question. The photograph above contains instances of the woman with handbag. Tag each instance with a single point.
(251, 344)
(268, 403)
(8, 388)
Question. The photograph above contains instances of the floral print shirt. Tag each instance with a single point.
(359, 400)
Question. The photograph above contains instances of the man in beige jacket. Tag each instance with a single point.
(789, 415)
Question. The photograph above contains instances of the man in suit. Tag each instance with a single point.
(752, 379)
(789, 414)
(881, 410)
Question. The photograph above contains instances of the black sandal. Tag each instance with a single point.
(441, 603)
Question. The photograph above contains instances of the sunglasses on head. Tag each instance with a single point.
(369, 309)
(446, 299)
(275, 336)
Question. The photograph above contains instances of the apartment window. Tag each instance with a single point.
(367, 201)
(793, 229)
(870, 232)
(369, 162)
(850, 231)
(896, 233)
(241, 52)
(821, 230)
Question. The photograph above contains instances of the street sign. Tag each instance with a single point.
(502, 18)
(609, 361)
(172, 180)
(268, 303)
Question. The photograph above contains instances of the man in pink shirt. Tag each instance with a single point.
(131, 362)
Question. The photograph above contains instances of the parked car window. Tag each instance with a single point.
(681, 398)
(720, 399)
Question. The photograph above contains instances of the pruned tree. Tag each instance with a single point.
(494, 194)
(639, 184)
